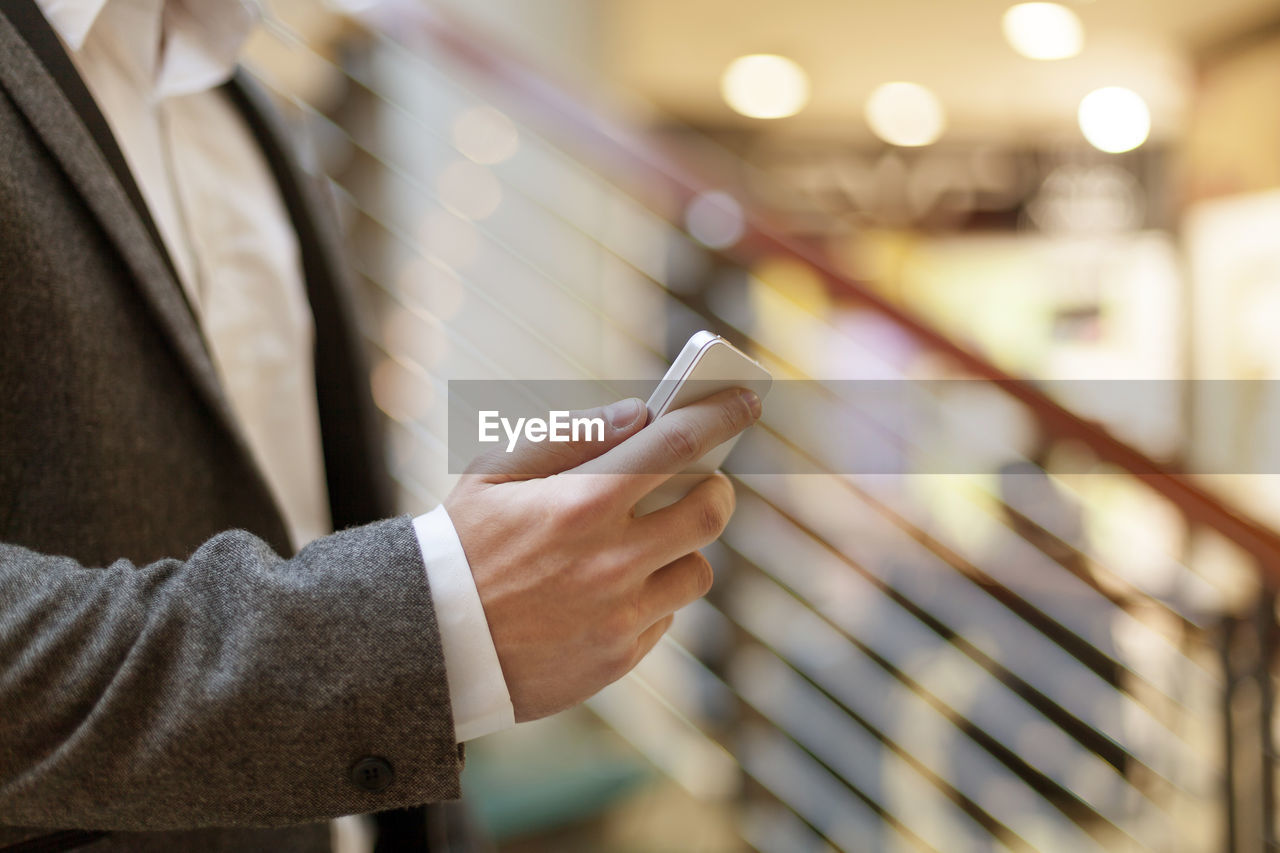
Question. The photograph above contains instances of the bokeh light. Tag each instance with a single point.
(714, 219)
(1043, 30)
(448, 238)
(905, 114)
(437, 288)
(486, 136)
(1114, 119)
(764, 85)
(469, 190)
(401, 389)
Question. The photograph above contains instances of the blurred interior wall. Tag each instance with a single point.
(561, 35)
(1232, 144)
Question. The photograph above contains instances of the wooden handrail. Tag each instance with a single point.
(613, 148)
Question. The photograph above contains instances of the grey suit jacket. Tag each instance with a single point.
(165, 662)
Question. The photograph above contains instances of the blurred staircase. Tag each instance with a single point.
(929, 662)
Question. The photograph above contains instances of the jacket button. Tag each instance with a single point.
(372, 773)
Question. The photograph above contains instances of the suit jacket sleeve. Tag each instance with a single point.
(232, 688)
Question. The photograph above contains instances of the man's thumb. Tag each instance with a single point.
(605, 427)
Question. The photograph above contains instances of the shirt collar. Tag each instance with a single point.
(72, 19)
(201, 39)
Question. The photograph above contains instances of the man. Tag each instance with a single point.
(187, 660)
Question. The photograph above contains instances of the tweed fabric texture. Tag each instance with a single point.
(235, 687)
(164, 661)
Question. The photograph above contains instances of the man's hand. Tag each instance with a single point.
(576, 589)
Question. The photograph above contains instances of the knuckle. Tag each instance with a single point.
(713, 517)
(614, 567)
(583, 503)
(635, 653)
(623, 662)
(666, 624)
(622, 625)
(645, 643)
(737, 414)
(682, 439)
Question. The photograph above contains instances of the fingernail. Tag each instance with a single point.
(752, 400)
(624, 412)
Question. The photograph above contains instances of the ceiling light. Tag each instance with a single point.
(1043, 30)
(1114, 119)
(764, 85)
(905, 114)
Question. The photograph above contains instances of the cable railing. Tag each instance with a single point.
(643, 161)
(865, 675)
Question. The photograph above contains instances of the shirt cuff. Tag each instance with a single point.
(477, 689)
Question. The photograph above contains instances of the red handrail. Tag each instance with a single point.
(612, 147)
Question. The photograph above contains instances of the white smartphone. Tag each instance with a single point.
(707, 365)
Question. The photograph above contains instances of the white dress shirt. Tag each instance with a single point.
(154, 66)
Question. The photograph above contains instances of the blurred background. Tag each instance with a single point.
(1073, 649)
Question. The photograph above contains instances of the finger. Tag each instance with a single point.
(529, 460)
(695, 520)
(674, 441)
(649, 638)
(675, 585)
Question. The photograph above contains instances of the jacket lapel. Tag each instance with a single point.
(45, 86)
